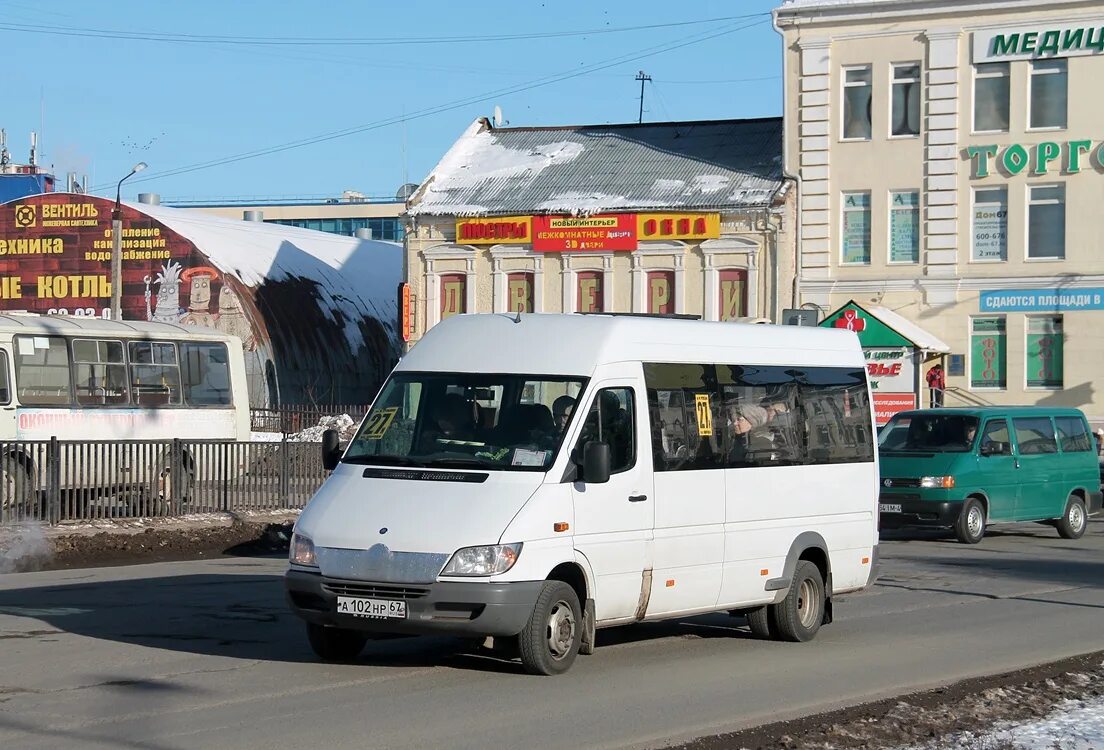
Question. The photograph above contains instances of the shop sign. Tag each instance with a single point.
(406, 318)
(1069, 157)
(1041, 300)
(610, 232)
(1027, 43)
(890, 369)
(500, 230)
(671, 226)
(888, 404)
(872, 332)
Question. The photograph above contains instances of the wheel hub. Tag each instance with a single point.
(561, 630)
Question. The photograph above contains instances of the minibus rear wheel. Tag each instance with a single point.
(762, 623)
(1073, 522)
(801, 613)
(335, 644)
(550, 640)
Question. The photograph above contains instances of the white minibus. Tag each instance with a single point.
(536, 477)
(88, 379)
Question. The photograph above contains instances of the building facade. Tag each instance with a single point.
(950, 166)
(668, 218)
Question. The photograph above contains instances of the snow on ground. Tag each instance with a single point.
(343, 423)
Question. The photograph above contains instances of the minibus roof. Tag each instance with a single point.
(72, 325)
(549, 344)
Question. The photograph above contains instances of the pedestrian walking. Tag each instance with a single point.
(937, 383)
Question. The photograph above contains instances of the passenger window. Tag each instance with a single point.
(1035, 435)
(42, 371)
(760, 416)
(610, 420)
(835, 409)
(994, 439)
(206, 374)
(1073, 435)
(686, 416)
(99, 372)
(5, 385)
(154, 373)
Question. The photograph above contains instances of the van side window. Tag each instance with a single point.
(686, 416)
(1073, 435)
(1034, 435)
(996, 432)
(610, 420)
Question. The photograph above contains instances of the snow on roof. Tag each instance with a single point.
(355, 278)
(909, 330)
(593, 168)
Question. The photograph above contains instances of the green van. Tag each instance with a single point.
(964, 468)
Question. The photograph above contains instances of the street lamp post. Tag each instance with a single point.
(117, 247)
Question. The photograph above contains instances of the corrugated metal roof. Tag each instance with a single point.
(717, 164)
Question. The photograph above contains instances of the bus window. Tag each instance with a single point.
(206, 374)
(42, 371)
(5, 385)
(99, 372)
(154, 373)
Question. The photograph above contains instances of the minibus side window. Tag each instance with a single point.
(760, 418)
(1073, 436)
(610, 420)
(686, 417)
(1034, 435)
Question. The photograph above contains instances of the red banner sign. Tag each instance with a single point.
(577, 233)
(888, 404)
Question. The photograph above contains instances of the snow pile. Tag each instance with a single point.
(343, 423)
(265, 437)
(22, 548)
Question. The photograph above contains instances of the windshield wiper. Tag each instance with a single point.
(382, 460)
(461, 463)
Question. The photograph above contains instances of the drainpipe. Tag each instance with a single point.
(796, 293)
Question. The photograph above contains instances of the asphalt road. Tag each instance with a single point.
(204, 655)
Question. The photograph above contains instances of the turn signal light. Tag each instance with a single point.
(560, 526)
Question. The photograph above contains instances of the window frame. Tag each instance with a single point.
(743, 276)
(970, 352)
(1061, 333)
(894, 82)
(844, 85)
(131, 364)
(844, 210)
(1090, 440)
(918, 210)
(8, 378)
(72, 402)
(1031, 202)
(74, 363)
(1033, 73)
(992, 72)
(974, 190)
(634, 433)
(1053, 435)
(182, 356)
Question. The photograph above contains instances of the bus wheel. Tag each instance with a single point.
(17, 490)
(970, 526)
(800, 614)
(1073, 522)
(550, 640)
(335, 644)
(762, 623)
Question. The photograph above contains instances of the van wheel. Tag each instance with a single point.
(762, 623)
(1073, 522)
(799, 615)
(550, 640)
(970, 525)
(335, 644)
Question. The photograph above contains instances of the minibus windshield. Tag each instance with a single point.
(929, 433)
(467, 420)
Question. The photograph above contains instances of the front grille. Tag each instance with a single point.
(372, 590)
(900, 482)
(897, 498)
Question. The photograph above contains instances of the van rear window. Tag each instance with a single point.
(1073, 435)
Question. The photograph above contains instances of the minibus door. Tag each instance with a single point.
(613, 519)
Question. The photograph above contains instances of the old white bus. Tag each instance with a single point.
(535, 477)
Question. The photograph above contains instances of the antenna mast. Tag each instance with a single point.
(642, 77)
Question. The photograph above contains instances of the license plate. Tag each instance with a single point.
(383, 609)
(890, 507)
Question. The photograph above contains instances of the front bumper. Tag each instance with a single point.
(465, 609)
(917, 513)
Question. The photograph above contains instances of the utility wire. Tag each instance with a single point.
(449, 106)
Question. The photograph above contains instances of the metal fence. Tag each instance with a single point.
(292, 419)
(55, 481)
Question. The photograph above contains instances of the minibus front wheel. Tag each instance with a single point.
(550, 640)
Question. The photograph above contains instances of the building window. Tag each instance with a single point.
(1046, 222)
(589, 297)
(733, 294)
(454, 293)
(857, 90)
(1044, 352)
(1048, 93)
(382, 228)
(519, 292)
(661, 292)
(905, 116)
(856, 228)
(988, 352)
(991, 89)
(990, 224)
(904, 227)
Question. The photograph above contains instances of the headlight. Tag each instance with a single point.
(302, 551)
(483, 561)
(943, 483)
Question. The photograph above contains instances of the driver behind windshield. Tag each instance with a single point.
(451, 420)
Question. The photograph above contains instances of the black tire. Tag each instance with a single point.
(550, 640)
(799, 616)
(1074, 521)
(969, 527)
(335, 644)
(762, 623)
(18, 494)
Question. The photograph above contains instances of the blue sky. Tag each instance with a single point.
(104, 102)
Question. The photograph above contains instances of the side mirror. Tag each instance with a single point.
(995, 448)
(596, 462)
(331, 450)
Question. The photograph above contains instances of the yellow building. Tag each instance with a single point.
(951, 170)
(675, 218)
